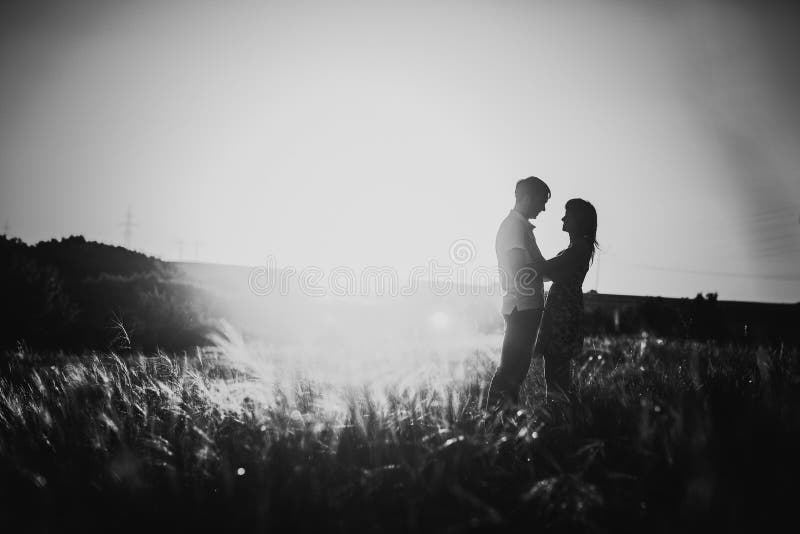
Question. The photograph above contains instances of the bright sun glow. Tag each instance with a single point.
(440, 320)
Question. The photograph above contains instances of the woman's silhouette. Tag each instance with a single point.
(560, 335)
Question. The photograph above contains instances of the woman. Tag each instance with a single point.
(560, 336)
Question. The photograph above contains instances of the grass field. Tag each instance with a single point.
(660, 435)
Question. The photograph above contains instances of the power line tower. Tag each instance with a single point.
(6, 228)
(127, 228)
(197, 249)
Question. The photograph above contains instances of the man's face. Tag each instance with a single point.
(536, 205)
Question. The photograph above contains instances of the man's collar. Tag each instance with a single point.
(515, 213)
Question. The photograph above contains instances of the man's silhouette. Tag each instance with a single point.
(523, 298)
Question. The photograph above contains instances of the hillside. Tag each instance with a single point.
(72, 294)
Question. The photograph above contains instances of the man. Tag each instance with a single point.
(523, 291)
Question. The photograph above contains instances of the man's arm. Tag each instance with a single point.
(516, 260)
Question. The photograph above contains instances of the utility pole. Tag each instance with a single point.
(127, 226)
(6, 228)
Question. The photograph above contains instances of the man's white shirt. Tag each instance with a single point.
(517, 232)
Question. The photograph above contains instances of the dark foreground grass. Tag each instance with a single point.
(659, 436)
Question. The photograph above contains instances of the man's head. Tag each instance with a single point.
(531, 194)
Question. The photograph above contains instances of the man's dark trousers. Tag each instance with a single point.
(515, 356)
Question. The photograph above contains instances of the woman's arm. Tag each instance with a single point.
(540, 267)
(567, 262)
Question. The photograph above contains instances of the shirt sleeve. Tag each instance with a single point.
(509, 237)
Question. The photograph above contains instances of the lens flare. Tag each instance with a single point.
(440, 320)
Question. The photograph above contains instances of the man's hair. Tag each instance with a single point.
(531, 186)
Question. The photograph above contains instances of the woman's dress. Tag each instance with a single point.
(560, 336)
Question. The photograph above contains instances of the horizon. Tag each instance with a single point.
(426, 280)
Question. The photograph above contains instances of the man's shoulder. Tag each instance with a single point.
(511, 224)
(508, 227)
(512, 233)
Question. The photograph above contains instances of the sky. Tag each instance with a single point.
(380, 133)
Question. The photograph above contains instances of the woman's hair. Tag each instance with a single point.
(586, 219)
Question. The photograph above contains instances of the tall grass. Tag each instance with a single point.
(662, 435)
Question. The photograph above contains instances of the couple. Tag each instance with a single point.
(553, 327)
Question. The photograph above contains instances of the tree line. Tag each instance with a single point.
(72, 294)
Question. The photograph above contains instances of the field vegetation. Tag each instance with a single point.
(659, 435)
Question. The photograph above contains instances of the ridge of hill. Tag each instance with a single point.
(73, 294)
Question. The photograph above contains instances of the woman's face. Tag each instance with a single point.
(569, 221)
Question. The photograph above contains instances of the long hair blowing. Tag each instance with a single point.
(586, 219)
